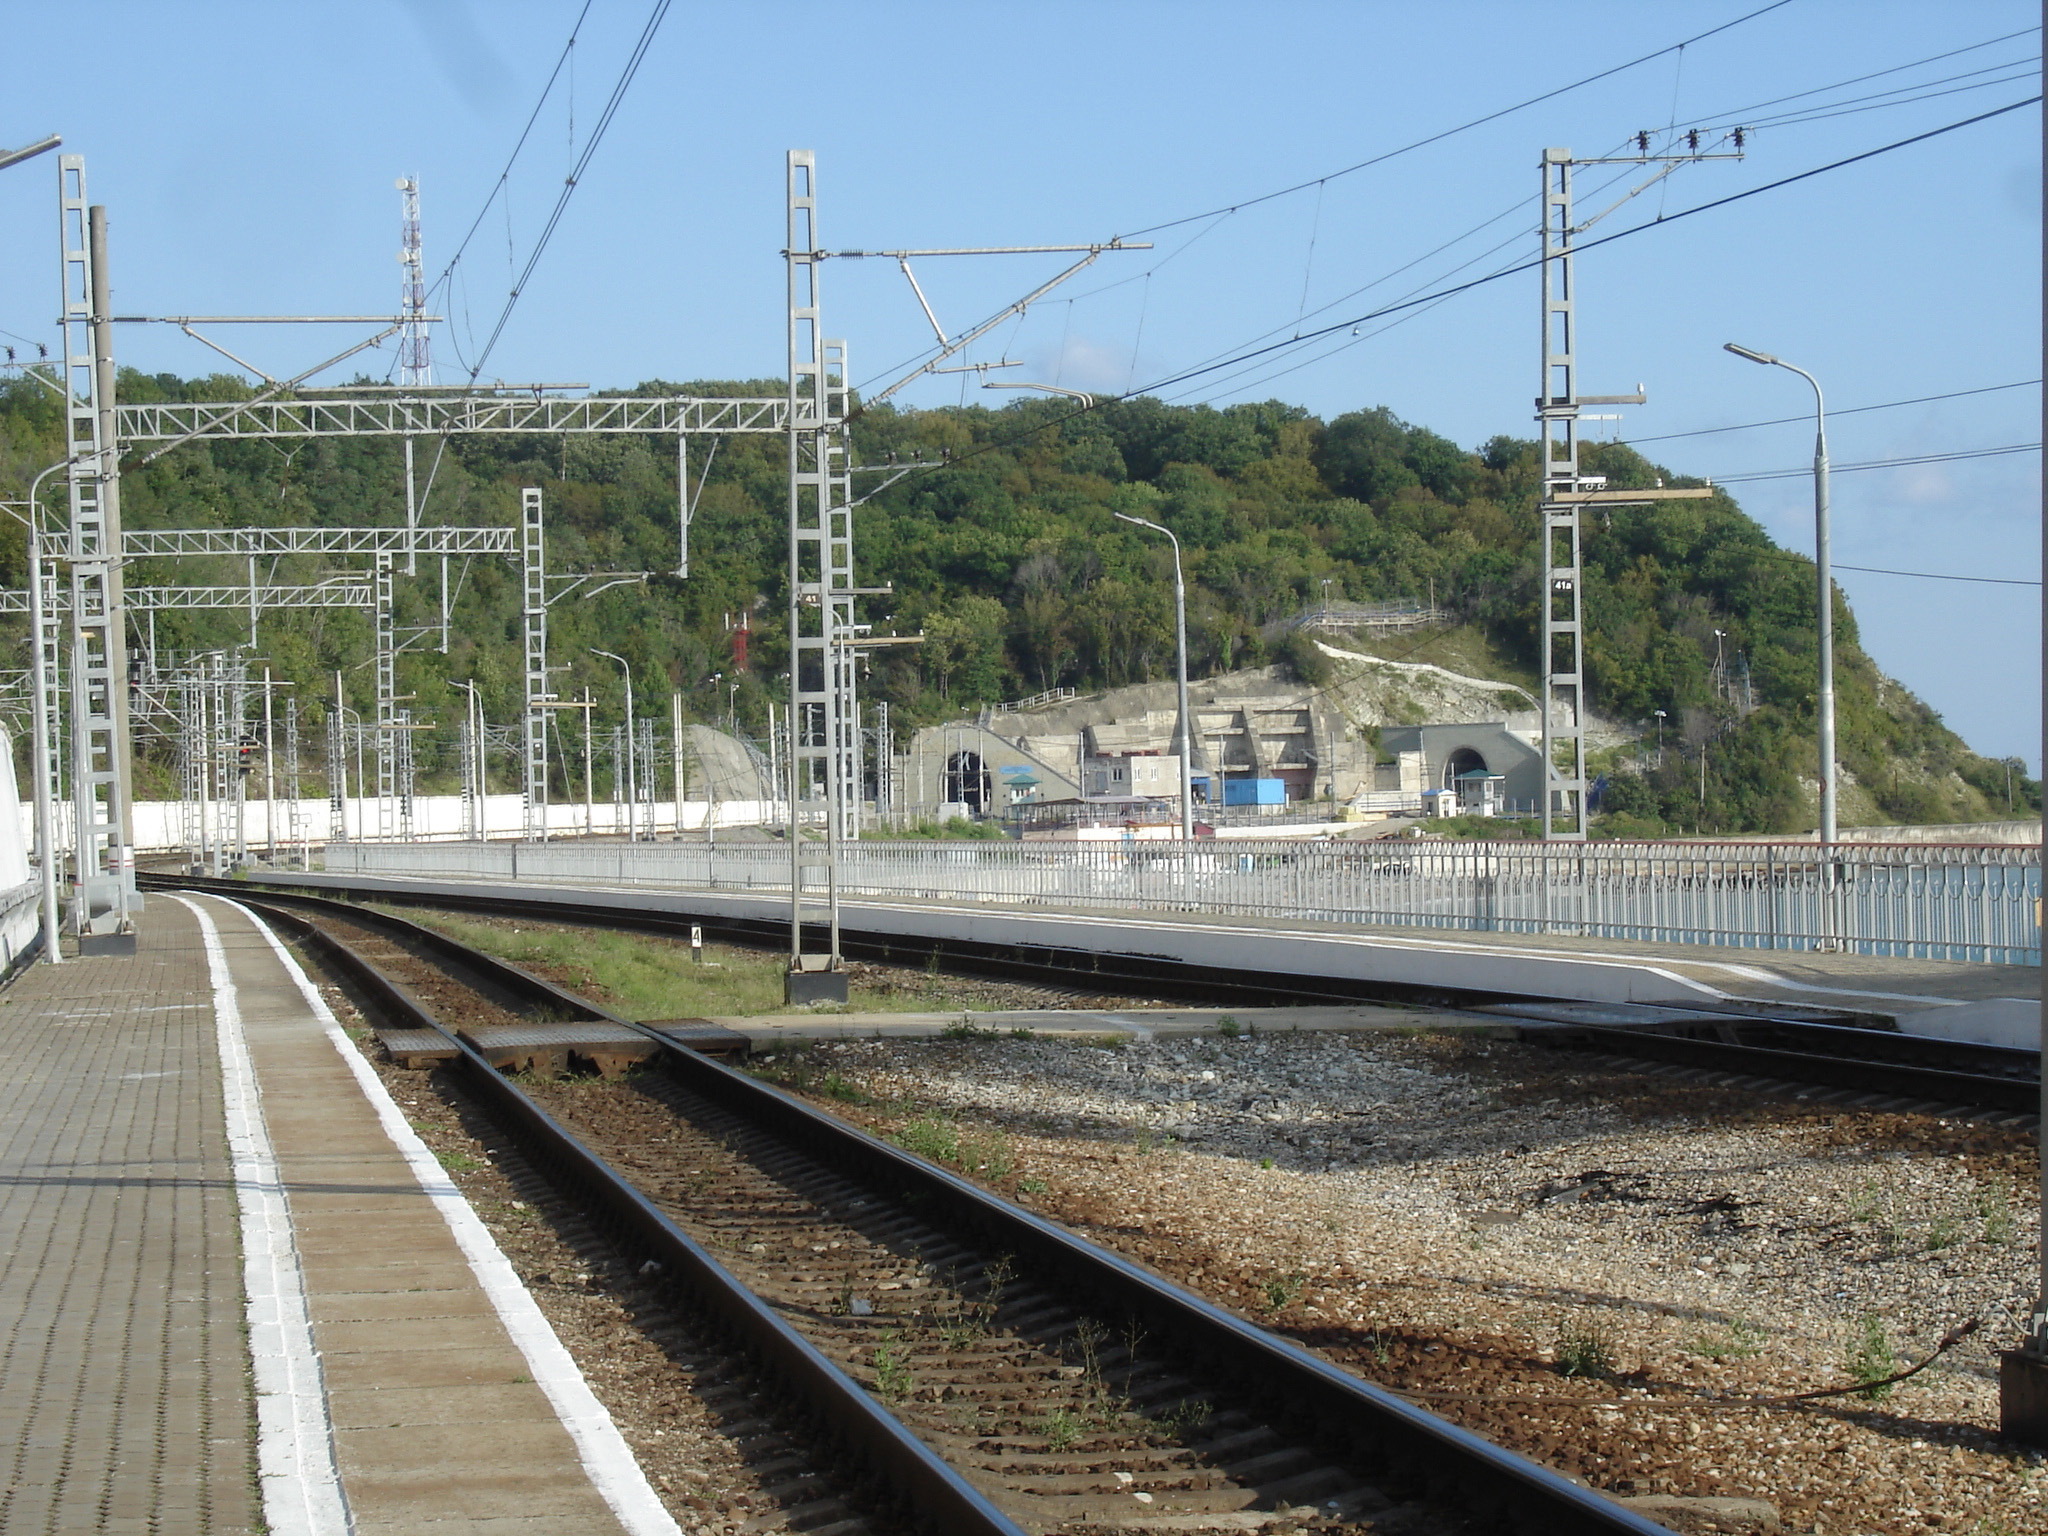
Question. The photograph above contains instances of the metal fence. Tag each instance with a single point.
(1922, 902)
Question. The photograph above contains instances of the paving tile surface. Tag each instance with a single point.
(124, 1402)
(124, 1377)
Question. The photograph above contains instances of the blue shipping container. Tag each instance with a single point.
(1254, 792)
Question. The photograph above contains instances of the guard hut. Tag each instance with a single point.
(1022, 784)
(1480, 793)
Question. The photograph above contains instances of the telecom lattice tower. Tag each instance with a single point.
(415, 358)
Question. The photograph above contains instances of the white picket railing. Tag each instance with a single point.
(1927, 902)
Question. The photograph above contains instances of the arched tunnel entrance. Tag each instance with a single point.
(967, 782)
(1461, 762)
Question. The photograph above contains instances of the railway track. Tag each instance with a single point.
(973, 1367)
(1766, 1046)
(1909, 1072)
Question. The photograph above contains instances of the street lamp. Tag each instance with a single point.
(1660, 738)
(632, 788)
(473, 722)
(1825, 583)
(1180, 636)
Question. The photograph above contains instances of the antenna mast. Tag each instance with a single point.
(415, 360)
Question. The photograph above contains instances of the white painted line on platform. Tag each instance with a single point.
(301, 1484)
(1754, 973)
(606, 1458)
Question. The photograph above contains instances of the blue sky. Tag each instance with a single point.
(246, 153)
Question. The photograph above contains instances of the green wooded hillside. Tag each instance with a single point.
(1009, 559)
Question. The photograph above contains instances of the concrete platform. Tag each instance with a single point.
(123, 1396)
(1524, 965)
(192, 1149)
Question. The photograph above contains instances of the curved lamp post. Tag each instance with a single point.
(1824, 580)
(632, 786)
(1180, 637)
(473, 722)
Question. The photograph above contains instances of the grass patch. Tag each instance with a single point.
(647, 976)
(1061, 1428)
(1740, 1340)
(952, 829)
(891, 1360)
(1995, 1206)
(793, 1069)
(1584, 1350)
(1282, 1291)
(1871, 1358)
(971, 1150)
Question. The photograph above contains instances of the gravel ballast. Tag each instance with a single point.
(1599, 1269)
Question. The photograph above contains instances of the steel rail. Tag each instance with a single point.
(1825, 1047)
(1369, 1425)
(2014, 1093)
(841, 1412)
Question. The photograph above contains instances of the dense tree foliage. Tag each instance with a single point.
(1003, 549)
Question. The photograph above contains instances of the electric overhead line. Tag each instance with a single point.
(502, 185)
(1848, 410)
(1447, 133)
(1746, 113)
(1899, 463)
(1217, 216)
(1357, 338)
(1477, 282)
(1885, 570)
(1989, 581)
(1819, 110)
(2020, 69)
(1835, 109)
(1620, 234)
(574, 179)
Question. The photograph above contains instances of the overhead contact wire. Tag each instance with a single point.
(1447, 133)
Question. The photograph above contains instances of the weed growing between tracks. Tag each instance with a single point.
(981, 1151)
(1712, 1244)
(1584, 1350)
(1871, 1360)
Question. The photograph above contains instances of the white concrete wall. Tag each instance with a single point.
(159, 824)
